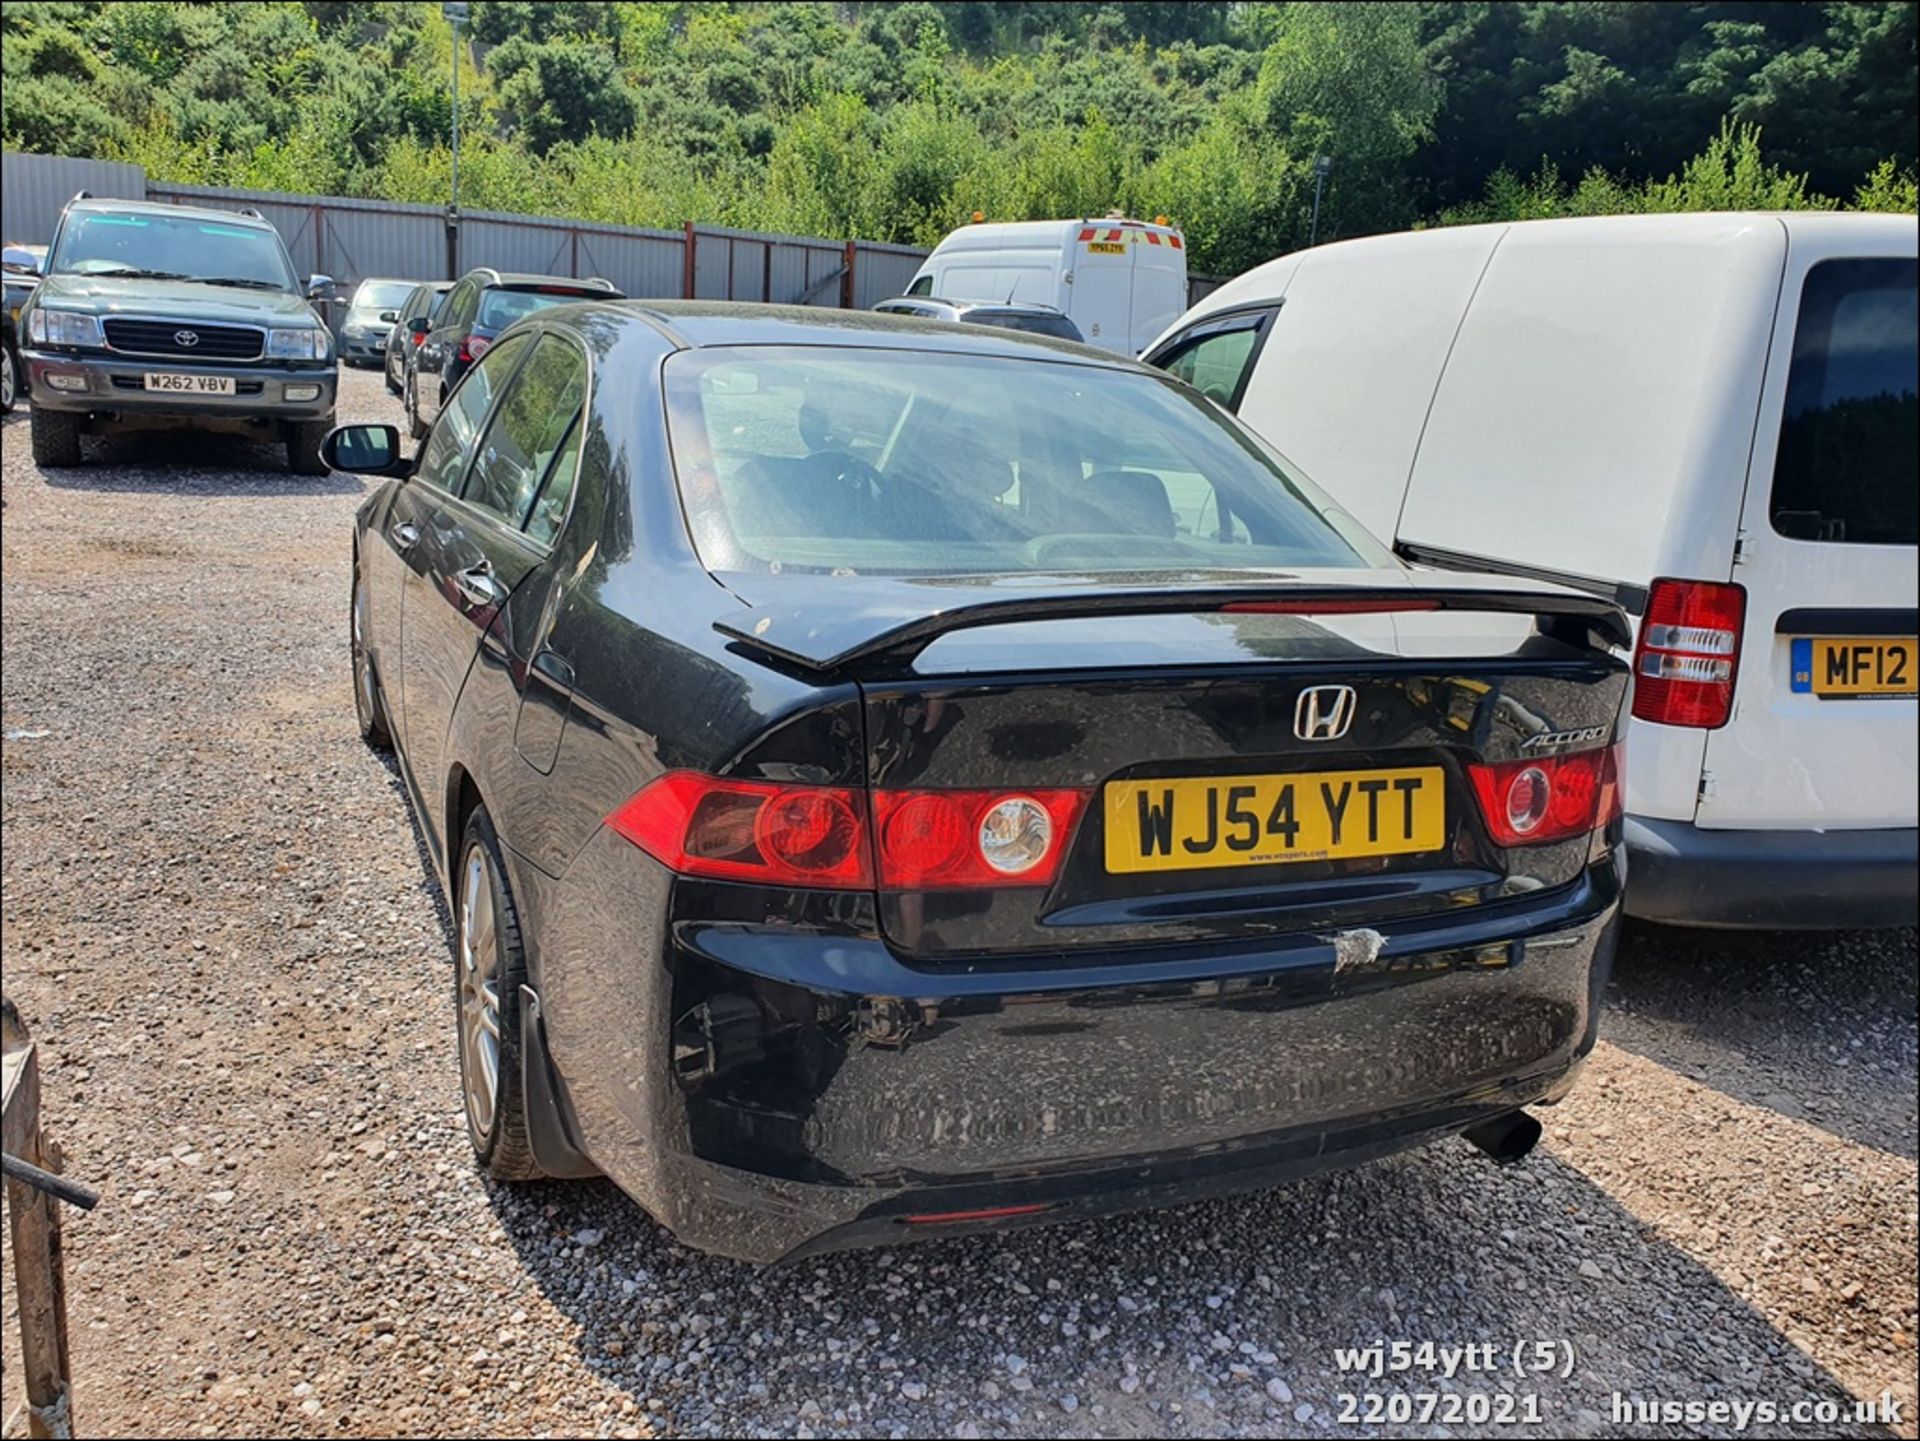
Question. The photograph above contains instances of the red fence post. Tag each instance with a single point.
(846, 275)
(687, 275)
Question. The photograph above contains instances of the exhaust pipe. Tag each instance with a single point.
(1506, 1138)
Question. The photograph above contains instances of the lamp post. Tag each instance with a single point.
(456, 12)
(1321, 165)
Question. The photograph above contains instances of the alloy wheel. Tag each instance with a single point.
(479, 992)
(8, 380)
(362, 666)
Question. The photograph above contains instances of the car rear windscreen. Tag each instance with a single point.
(500, 308)
(382, 294)
(1850, 435)
(1057, 326)
(894, 462)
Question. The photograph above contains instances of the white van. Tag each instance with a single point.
(1712, 419)
(1121, 281)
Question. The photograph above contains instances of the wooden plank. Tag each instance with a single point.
(39, 1274)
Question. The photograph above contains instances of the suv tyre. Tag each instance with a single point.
(56, 437)
(303, 445)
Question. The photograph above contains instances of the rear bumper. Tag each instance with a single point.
(1685, 875)
(366, 349)
(118, 386)
(772, 1093)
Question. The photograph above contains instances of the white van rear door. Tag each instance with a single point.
(1159, 284)
(1101, 296)
(1823, 729)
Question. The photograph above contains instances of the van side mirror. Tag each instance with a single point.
(363, 450)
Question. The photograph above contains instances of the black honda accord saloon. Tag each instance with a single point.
(894, 779)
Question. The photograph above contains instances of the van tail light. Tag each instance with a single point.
(1538, 799)
(836, 839)
(699, 825)
(472, 347)
(1689, 653)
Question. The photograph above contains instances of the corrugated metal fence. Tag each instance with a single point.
(35, 188)
(352, 239)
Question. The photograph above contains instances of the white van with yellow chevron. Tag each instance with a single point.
(1121, 281)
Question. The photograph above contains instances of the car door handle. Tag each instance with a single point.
(477, 585)
(403, 535)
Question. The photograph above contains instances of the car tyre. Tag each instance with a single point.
(303, 445)
(56, 437)
(414, 427)
(490, 966)
(369, 706)
(10, 373)
(386, 373)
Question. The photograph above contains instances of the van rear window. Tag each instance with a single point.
(1850, 435)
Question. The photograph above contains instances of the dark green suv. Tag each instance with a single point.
(170, 315)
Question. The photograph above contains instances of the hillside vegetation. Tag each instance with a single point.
(895, 121)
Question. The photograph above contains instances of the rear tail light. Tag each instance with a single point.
(821, 836)
(1534, 800)
(751, 831)
(1689, 653)
(958, 839)
(472, 347)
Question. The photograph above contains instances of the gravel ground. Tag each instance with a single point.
(217, 919)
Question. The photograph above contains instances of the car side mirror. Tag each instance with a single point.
(363, 450)
(419, 325)
(319, 287)
(387, 317)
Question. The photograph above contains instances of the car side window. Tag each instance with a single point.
(922, 286)
(1216, 356)
(460, 304)
(443, 460)
(549, 509)
(533, 419)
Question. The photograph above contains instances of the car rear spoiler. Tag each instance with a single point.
(827, 625)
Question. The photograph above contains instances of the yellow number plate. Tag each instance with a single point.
(1185, 825)
(1869, 665)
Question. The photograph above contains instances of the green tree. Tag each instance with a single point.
(560, 90)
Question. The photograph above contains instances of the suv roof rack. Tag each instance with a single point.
(252, 210)
(81, 195)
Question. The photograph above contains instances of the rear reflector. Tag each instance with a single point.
(1534, 800)
(991, 1213)
(699, 825)
(1689, 653)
